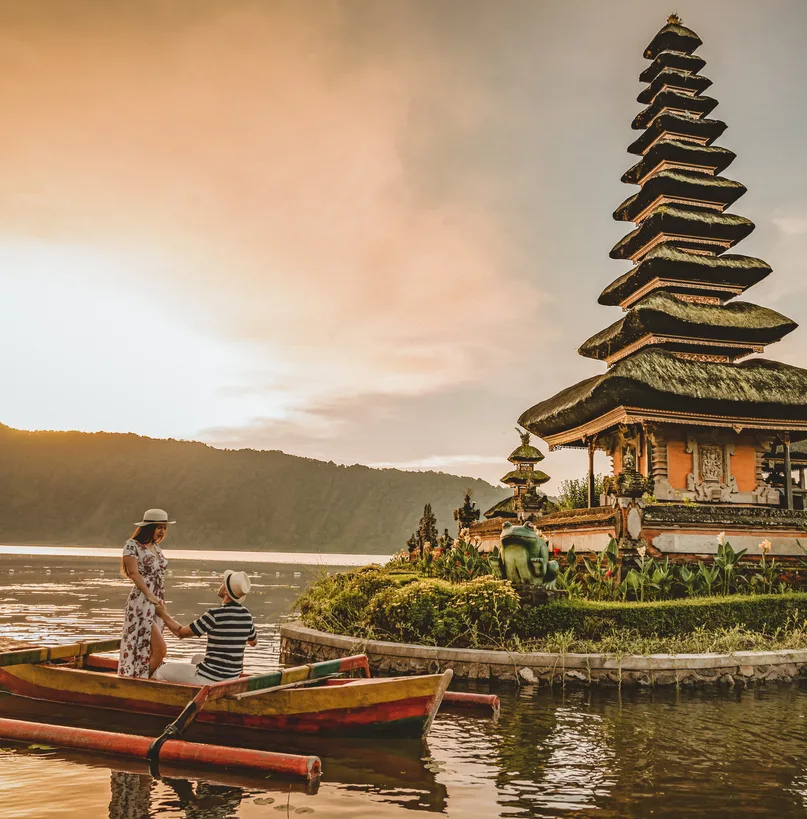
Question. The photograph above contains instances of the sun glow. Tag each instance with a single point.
(93, 343)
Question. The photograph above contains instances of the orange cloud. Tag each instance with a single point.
(291, 177)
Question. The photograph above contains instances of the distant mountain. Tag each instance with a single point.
(76, 488)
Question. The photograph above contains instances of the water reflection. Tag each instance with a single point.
(131, 797)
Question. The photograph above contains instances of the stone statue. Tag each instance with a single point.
(524, 557)
(467, 514)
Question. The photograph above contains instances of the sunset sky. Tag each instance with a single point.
(366, 232)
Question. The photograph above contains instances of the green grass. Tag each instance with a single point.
(792, 636)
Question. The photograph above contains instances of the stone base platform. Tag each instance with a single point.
(299, 644)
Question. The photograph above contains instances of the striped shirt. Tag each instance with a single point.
(228, 628)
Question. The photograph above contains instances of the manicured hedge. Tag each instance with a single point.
(592, 620)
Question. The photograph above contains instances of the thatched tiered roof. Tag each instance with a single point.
(692, 229)
(681, 325)
(683, 154)
(673, 355)
(673, 37)
(686, 273)
(701, 131)
(680, 184)
(752, 393)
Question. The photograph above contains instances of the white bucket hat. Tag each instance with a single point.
(237, 585)
(154, 516)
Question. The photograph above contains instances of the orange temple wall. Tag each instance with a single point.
(743, 463)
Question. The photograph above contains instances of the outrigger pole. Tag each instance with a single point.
(176, 751)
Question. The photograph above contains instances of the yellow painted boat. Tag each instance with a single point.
(306, 699)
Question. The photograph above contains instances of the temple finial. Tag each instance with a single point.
(525, 436)
(674, 19)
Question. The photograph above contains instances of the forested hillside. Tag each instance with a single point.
(86, 489)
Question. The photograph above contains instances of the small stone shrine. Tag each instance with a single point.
(526, 504)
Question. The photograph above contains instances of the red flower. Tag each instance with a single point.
(608, 573)
(467, 554)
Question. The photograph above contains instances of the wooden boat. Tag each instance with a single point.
(307, 699)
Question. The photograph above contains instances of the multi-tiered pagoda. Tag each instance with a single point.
(527, 503)
(682, 410)
(527, 499)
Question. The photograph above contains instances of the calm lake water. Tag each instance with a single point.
(560, 752)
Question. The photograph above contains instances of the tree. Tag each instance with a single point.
(426, 532)
(427, 529)
(574, 492)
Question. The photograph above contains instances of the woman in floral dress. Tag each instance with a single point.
(142, 648)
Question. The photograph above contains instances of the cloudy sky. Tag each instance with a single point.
(362, 231)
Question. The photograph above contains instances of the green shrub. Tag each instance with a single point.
(591, 620)
(338, 602)
(481, 612)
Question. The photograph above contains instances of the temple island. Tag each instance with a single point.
(671, 580)
(699, 433)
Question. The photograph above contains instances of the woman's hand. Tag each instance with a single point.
(152, 599)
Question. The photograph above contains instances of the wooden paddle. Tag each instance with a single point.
(30, 656)
(261, 691)
(299, 676)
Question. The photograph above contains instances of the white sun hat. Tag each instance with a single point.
(154, 516)
(237, 585)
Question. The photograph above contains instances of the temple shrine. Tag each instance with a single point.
(527, 503)
(699, 432)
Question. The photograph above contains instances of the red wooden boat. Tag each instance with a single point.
(306, 699)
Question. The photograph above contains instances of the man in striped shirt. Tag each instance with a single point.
(229, 629)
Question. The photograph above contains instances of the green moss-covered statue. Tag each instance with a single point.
(524, 557)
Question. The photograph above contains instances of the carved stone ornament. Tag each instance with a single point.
(634, 523)
(711, 478)
(711, 463)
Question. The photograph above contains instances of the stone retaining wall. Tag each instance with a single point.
(300, 644)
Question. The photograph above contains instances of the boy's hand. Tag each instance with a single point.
(161, 610)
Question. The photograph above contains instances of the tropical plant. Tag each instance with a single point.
(708, 577)
(461, 562)
(768, 571)
(663, 579)
(726, 561)
(568, 579)
(689, 580)
(600, 579)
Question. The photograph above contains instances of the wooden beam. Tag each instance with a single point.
(46, 654)
(788, 473)
(592, 501)
(578, 436)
